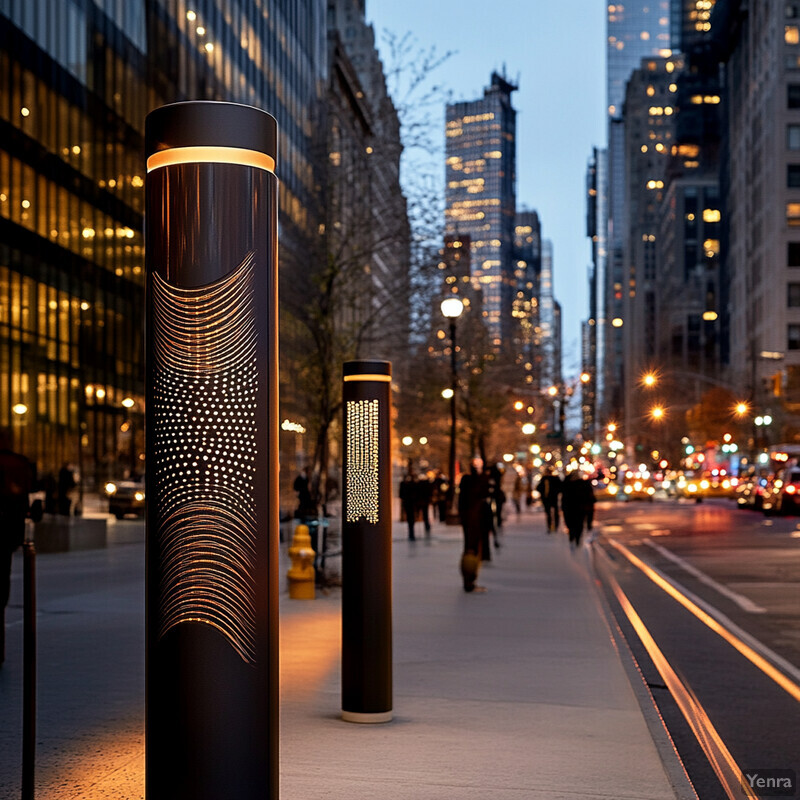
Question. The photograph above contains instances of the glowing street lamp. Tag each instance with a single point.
(649, 379)
(452, 307)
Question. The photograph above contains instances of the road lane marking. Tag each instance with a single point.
(745, 603)
(718, 755)
(753, 650)
(612, 528)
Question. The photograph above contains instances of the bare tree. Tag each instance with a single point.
(355, 297)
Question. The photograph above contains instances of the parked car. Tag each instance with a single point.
(750, 490)
(717, 483)
(690, 485)
(638, 487)
(605, 489)
(782, 493)
(125, 497)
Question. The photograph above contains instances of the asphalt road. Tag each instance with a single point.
(739, 573)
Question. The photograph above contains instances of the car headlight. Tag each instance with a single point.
(613, 488)
(691, 487)
(704, 484)
(139, 496)
(111, 488)
(650, 490)
(628, 489)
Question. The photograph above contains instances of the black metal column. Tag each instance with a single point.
(366, 543)
(212, 463)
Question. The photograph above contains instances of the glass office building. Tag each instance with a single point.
(79, 78)
(480, 196)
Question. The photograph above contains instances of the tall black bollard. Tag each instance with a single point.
(366, 543)
(29, 670)
(212, 438)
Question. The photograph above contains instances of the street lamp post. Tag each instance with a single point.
(452, 308)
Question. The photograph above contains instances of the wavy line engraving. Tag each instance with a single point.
(205, 402)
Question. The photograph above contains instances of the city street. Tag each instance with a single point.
(494, 694)
(741, 569)
(738, 567)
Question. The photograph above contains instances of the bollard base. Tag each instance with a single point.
(354, 716)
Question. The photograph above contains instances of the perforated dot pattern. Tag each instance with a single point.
(362, 460)
(205, 394)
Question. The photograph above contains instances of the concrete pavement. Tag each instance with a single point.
(521, 692)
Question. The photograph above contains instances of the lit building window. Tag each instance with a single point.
(791, 34)
(793, 214)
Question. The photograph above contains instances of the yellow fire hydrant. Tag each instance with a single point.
(301, 573)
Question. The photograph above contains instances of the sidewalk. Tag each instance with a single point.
(515, 693)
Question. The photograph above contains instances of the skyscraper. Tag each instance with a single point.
(528, 243)
(480, 196)
(78, 80)
(759, 44)
(634, 31)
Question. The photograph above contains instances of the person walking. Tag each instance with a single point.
(549, 488)
(66, 483)
(577, 505)
(408, 499)
(516, 495)
(16, 483)
(473, 494)
(424, 498)
(306, 507)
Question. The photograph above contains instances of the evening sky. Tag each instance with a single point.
(555, 51)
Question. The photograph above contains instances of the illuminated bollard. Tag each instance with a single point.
(212, 464)
(301, 574)
(366, 544)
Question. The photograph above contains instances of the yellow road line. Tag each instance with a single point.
(722, 762)
(736, 642)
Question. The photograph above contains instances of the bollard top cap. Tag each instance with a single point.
(209, 123)
(367, 367)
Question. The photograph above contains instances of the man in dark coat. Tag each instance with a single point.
(577, 505)
(549, 488)
(409, 497)
(473, 509)
(16, 482)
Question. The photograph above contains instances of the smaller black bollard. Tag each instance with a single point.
(366, 544)
(29, 671)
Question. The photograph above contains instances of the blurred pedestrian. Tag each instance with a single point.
(442, 486)
(424, 497)
(306, 507)
(549, 488)
(496, 499)
(408, 501)
(66, 483)
(516, 494)
(16, 483)
(473, 494)
(577, 505)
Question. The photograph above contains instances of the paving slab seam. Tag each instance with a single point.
(670, 759)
